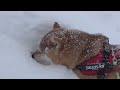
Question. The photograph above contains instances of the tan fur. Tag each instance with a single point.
(70, 47)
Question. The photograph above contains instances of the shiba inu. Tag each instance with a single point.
(70, 48)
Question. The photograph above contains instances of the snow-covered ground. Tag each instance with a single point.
(21, 31)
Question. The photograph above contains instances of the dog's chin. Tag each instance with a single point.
(44, 62)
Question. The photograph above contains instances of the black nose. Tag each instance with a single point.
(32, 55)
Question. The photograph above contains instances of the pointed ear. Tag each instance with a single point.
(56, 25)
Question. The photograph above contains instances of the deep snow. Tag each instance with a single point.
(21, 31)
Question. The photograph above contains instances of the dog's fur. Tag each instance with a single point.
(69, 48)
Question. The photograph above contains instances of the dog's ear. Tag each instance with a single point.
(56, 26)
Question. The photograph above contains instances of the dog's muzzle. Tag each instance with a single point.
(43, 59)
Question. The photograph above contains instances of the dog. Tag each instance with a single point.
(70, 48)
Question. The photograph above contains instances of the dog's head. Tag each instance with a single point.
(49, 45)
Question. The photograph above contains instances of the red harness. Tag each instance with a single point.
(93, 65)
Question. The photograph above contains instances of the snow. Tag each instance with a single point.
(21, 31)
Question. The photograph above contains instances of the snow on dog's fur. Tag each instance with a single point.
(68, 47)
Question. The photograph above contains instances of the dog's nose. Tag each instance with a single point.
(32, 55)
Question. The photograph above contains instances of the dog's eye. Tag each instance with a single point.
(54, 45)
